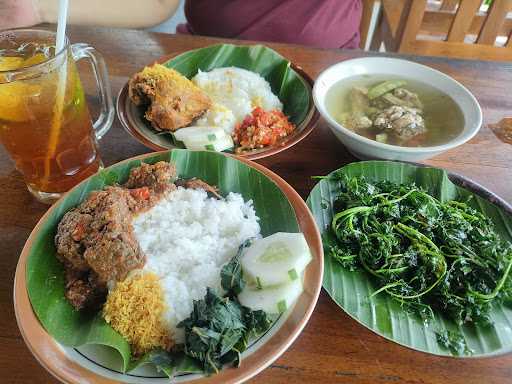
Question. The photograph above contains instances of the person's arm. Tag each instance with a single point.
(110, 13)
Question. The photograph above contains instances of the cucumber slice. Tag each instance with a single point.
(204, 138)
(276, 299)
(276, 259)
(226, 142)
(207, 135)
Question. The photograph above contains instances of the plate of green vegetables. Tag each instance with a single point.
(420, 256)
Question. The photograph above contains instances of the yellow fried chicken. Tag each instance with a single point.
(173, 100)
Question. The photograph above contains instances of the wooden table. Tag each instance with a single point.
(333, 348)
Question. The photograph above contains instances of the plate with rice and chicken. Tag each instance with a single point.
(186, 264)
(246, 100)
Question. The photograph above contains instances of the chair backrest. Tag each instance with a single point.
(365, 28)
(465, 20)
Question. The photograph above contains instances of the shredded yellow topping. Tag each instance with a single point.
(134, 309)
(161, 72)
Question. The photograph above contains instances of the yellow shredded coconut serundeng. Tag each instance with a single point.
(134, 309)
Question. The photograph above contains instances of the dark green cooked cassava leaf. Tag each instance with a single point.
(218, 329)
(161, 359)
(405, 245)
(231, 274)
(171, 364)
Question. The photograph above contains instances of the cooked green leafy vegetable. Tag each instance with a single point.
(218, 331)
(171, 364)
(426, 254)
(219, 328)
(231, 274)
(453, 341)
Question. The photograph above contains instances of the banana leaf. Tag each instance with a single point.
(352, 290)
(45, 275)
(286, 83)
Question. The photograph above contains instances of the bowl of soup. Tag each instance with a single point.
(393, 109)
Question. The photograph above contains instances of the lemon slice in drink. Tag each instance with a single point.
(14, 96)
(38, 58)
(10, 63)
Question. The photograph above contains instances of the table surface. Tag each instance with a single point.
(333, 348)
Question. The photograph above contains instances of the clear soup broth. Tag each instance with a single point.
(430, 118)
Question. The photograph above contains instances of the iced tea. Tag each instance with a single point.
(44, 120)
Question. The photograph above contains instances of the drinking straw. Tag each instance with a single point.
(61, 86)
(61, 25)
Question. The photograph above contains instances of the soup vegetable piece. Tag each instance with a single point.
(428, 255)
(395, 111)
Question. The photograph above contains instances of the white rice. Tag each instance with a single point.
(236, 90)
(187, 237)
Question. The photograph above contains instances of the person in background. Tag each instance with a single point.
(316, 23)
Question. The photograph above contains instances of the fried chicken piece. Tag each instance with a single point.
(173, 100)
(196, 183)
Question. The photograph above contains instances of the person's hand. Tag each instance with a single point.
(18, 13)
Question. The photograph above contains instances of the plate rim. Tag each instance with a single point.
(310, 120)
(51, 356)
(462, 182)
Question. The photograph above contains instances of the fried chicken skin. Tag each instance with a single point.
(173, 100)
(196, 183)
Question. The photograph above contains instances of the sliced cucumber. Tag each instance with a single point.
(276, 299)
(276, 259)
(197, 133)
(204, 138)
(219, 145)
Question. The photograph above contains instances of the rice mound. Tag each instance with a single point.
(187, 238)
(237, 90)
(134, 308)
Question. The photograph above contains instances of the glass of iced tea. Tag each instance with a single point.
(44, 121)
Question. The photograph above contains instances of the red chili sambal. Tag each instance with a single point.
(260, 129)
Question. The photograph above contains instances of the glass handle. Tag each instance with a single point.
(106, 117)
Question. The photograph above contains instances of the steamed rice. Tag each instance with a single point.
(234, 90)
(187, 237)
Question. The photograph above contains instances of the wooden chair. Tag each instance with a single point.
(409, 26)
(366, 29)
